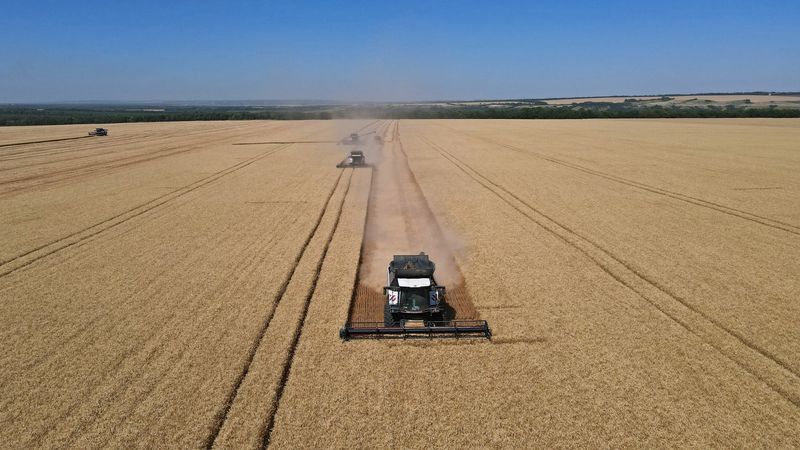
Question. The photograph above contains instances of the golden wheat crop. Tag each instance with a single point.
(165, 287)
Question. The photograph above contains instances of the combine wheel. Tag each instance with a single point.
(388, 320)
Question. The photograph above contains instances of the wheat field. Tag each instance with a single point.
(181, 285)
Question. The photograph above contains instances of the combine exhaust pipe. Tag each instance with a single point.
(457, 329)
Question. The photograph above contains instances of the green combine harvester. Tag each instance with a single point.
(414, 306)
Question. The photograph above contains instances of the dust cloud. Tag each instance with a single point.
(399, 219)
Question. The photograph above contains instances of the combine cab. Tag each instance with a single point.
(99, 132)
(354, 159)
(412, 292)
(414, 306)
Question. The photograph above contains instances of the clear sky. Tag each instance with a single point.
(400, 50)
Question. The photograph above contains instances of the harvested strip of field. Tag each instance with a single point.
(43, 141)
(12, 135)
(399, 221)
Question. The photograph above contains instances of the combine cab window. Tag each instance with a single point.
(415, 300)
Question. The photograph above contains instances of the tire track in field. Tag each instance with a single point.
(376, 121)
(9, 266)
(86, 169)
(769, 368)
(222, 415)
(274, 235)
(151, 347)
(242, 164)
(742, 214)
(141, 135)
(44, 141)
(56, 149)
(305, 142)
(270, 424)
(109, 144)
(56, 176)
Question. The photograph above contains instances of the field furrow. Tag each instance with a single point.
(260, 380)
(768, 367)
(747, 273)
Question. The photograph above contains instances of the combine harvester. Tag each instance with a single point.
(354, 159)
(354, 138)
(414, 307)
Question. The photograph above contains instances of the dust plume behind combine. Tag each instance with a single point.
(400, 221)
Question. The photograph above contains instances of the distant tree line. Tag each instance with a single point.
(37, 115)
(61, 116)
(652, 112)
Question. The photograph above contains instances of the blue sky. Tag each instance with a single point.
(402, 50)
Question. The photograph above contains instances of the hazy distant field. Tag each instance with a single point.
(168, 286)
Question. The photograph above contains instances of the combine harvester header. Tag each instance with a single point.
(414, 307)
(429, 330)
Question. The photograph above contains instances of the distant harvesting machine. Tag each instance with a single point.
(354, 138)
(414, 306)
